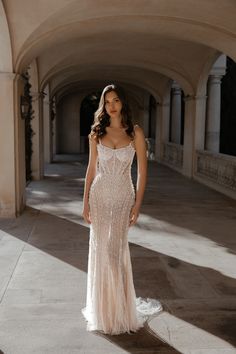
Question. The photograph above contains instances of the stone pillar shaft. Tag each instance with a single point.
(36, 124)
(47, 127)
(12, 147)
(36, 141)
(7, 142)
(146, 115)
(158, 133)
(176, 113)
(162, 128)
(213, 113)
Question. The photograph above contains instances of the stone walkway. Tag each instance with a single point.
(183, 252)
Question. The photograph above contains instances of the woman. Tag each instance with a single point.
(111, 206)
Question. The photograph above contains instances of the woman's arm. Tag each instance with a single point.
(90, 174)
(140, 145)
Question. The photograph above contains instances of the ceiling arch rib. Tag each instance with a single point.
(131, 91)
(154, 82)
(81, 85)
(202, 82)
(43, 17)
(177, 44)
(177, 29)
(5, 43)
(179, 60)
(91, 68)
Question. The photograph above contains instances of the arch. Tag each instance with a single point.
(6, 60)
(202, 83)
(156, 68)
(177, 28)
(152, 81)
(64, 86)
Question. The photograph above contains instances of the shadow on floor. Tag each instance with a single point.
(151, 278)
(170, 198)
(145, 339)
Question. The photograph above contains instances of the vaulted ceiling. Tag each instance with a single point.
(140, 42)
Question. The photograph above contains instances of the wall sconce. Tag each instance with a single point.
(24, 107)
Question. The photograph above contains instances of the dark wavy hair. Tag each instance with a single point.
(102, 118)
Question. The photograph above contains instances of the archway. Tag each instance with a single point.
(88, 107)
(228, 110)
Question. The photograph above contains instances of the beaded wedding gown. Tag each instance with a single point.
(111, 303)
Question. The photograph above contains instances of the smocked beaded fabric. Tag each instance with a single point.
(111, 303)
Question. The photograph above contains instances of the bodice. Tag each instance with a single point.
(115, 161)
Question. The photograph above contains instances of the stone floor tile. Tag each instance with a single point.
(183, 252)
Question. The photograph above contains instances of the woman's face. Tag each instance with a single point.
(113, 104)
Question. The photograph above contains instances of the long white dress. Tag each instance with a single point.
(111, 303)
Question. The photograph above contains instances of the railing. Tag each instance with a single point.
(173, 154)
(150, 146)
(219, 168)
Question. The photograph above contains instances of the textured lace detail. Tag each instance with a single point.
(111, 303)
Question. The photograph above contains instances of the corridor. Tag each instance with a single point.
(183, 251)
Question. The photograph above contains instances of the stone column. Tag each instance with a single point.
(12, 146)
(213, 113)
(162, 124)
(162, 128)
(146, 115)
(19, 84)
(54, 127)
(47, 141)
(37, 139)
(158, 137)
(200, 122)
(176, 113)
(214, 105)
(7, 146)
(189, 135)
(194, 123)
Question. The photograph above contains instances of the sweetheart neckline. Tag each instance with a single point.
(123, 147)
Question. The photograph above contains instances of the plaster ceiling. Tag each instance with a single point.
(158, 39)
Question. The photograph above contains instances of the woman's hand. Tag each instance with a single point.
(134, 213)
(86, 213)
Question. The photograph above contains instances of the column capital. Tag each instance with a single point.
(220, 66)
(176, 89)
(189, 98)
(9, 75)
(164, 104)
(213, 113)
(201, 97)
(215, 79)
(36, 95)
(195, 97)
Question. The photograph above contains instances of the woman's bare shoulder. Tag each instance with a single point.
(138, 131)
(92, 137)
